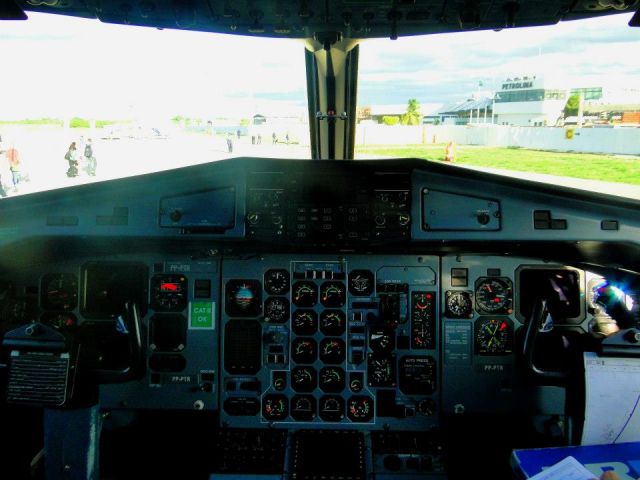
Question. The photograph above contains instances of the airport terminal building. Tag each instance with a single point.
(529, 101)
(537, 102)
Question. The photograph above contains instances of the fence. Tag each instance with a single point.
(623, 140)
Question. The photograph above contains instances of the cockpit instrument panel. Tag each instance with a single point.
(343, 335)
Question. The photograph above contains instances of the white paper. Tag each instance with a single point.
(567, 469)
(612, 404)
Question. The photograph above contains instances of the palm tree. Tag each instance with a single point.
(413, 115)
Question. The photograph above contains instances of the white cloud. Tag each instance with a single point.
(449, 66)
(65, 66)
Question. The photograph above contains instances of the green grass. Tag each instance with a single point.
(34, 121)
(607, 168)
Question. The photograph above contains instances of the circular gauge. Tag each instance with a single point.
(275, 407)
(59, 291)
(332, 322)
(332, 294)
(304, 379)
(382, 340)
(305, 294)
(304, 322)
(331, 379)
(493, 295)
(381, 371)
(331, 408)
(427, 407)
(303, 408)
(276, 310)
(276, 281)
(459, 304)
(332, 351)
(494, 336)
(243, 298)
(360, 408)
(421, 335)
(355, 385)
(303, 350)
(361, 283)
(169, 293)
(60, 321)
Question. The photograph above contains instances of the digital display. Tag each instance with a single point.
(169, 292)
(559, 287)
(170, 287)
(109, 285)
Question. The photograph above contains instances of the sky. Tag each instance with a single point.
(61, 66)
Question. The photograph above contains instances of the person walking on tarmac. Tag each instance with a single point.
(72, 157)
(230, 143)
(90, 159)
(13, 157)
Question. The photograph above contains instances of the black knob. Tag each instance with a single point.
(380, 220)
(483, 218)
(632, 336)
(175, 215)
(253, 218)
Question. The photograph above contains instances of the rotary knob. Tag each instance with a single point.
(253, 218)
(380, 220)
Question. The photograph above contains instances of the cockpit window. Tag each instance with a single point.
(556, 104)
(88, 101)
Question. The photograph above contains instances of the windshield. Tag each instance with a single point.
(95, 101)
(557, 104)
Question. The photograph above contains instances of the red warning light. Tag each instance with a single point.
(503, 326)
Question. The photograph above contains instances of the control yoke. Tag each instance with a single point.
(539, 321)
(50, 369)
(128, 324)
